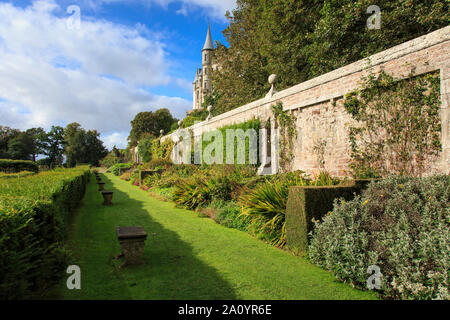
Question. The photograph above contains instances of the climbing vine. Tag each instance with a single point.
(398, 129)
(288, 134)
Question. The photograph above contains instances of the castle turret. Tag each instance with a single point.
(202, 83)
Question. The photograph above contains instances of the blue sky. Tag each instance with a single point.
(126, 56)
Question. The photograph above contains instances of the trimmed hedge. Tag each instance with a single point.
(119, 168)
(311, 203)
(14, 166)
(33, 216)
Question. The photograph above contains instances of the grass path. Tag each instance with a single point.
(186, 257)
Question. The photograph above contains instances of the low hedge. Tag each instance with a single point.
(33, 216)
(310, 203)
(13, 166)
(119, 168)
(21, 174)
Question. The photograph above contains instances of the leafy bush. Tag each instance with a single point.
(161, 150)
(158, 164)
(126, 176)
(252, 124)
(118, 168)
(12, 166)
(110, 160)
(199, 191)
(33, 217)
(399, 224)
(144, 147)
(21, 174)
(229, 215)
(266, 203)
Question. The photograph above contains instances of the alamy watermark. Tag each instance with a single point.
(240, 146)
(74, 280)
(374, 21)
(374, 281)
(74, 21)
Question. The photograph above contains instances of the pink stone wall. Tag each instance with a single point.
(318, 103)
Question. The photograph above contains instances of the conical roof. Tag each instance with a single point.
(208, 43)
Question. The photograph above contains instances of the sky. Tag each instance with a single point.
(119, 58)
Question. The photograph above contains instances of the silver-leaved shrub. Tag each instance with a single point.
(399, 224)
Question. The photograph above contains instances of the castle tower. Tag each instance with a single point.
(202, 82)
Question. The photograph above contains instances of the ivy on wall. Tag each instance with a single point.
(253, 124)
(161, 150)
(285, 121)
(399, 127)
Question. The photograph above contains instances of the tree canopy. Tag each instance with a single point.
(150, 123)
(299, 40)
(83, 146)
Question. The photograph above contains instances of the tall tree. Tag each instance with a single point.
(83, 146)
(54, 146)
(299, 40)
(341, 36)
(94, 148)
(38, 137)
(20, 147)
(265, 37)
(6, 134)
(150, 123)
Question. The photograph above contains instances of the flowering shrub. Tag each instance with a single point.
(399, 224)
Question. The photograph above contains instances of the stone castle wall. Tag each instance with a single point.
(318, 103)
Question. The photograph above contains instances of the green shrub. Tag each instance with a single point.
(13, 166)
(33, 216)
(399, 224)
(266, 204)
(199, 191)
(21, 174)
(119, 168)
(310, 203)
(126, 176)
(229, 215)
(145, 148)
(161, 150)
(110, 160)
(158, 164)
(253, 124)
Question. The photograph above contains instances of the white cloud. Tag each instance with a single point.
(115, 139)
(51, 75)
(213, 8)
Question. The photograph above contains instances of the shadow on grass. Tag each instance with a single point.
(170, 268)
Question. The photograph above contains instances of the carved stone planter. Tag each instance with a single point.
(100, 186)
(107, 197)
(132, 243)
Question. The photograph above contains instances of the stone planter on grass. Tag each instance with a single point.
(107, 197)
(132, 243)
(100, 186)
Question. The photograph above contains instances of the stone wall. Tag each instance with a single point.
(318, 103)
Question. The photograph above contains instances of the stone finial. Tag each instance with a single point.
(180, 123)
(210, 108)
(272, 79)
(161, 132)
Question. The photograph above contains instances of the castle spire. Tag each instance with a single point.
(208, 43)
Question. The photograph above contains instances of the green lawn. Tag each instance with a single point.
(186, 257)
